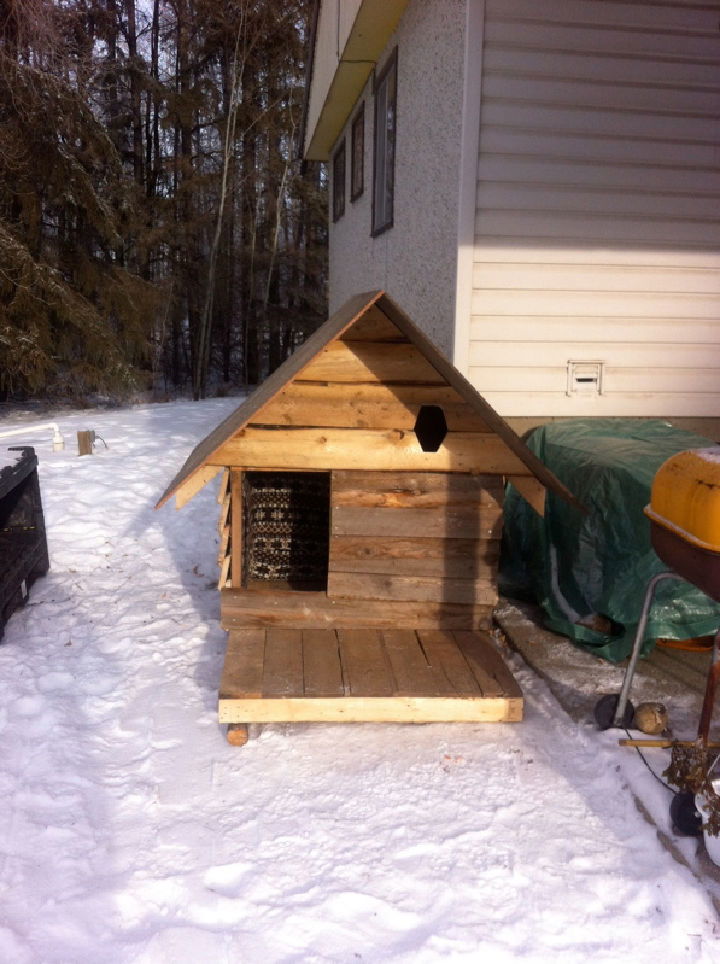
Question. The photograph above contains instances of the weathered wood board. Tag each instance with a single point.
(365, 675)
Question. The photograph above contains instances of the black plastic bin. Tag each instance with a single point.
(23, 543)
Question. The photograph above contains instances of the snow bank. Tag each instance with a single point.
(132, 832)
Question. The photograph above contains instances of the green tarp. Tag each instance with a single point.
(589, 572)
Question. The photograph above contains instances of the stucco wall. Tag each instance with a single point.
(415, 260)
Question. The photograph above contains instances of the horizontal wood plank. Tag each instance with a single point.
(414, 490)
(361, 585)
(484, 522)
(364, 709)
(311, 610)
(415, 556)
(334, 411)
(370, 362)
(374, 451)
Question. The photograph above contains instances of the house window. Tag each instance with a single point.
(339, 182)
(357, 155)
(384, 146)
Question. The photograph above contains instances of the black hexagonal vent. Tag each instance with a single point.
(430, 427)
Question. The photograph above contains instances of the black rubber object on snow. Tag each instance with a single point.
(686, 820)
(606, 708)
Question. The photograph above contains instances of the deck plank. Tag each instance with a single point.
(243, 669)
(413, 674)
(322, 670)
(476, 655)
(442, 652)
(365, 667)
(494, 665)
(283, 667)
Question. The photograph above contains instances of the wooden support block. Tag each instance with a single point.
(85, 443)
(237, 734)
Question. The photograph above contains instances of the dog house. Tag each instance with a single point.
(360, 523)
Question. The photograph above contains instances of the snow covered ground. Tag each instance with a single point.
(132, 832)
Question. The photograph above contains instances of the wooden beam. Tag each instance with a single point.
(192, 485)
(316, 610)
(362, 585)
(323, 449)
(373, 709)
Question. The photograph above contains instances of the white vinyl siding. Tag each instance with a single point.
(598, 207)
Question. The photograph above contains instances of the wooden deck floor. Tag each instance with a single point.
(365, 675)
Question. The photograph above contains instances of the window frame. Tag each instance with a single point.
(382, 221)
(339, 167)
(357, 155)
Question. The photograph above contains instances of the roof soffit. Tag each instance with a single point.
(335, 91)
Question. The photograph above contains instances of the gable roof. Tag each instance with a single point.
(334, 327)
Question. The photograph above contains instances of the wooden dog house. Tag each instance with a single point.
(360, 530)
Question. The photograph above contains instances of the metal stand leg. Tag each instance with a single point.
(709, 699)
(630, 671)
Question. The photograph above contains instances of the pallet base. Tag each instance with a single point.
(365, 676)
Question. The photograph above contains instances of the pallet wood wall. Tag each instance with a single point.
(416, 537)
(416, 550)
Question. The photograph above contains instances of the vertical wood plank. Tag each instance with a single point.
(444, 656)
(495, 665)
(236, 527)
(322, 670)
(365, 668)
(413, 674)
(475, 653)
(243, 670)
(283, 667)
